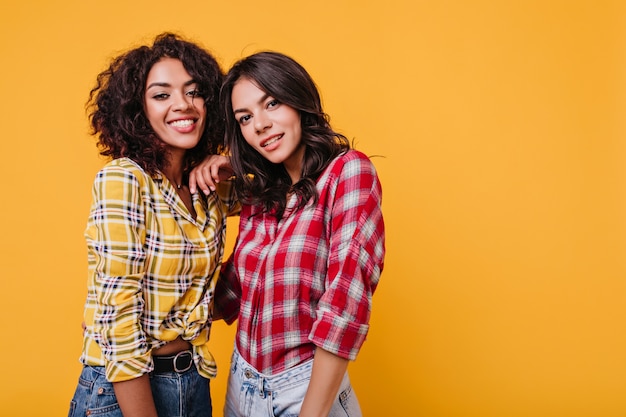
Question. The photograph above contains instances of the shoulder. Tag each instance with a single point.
(350, 164)
(124, 179)
(124, 170)
(122, 165)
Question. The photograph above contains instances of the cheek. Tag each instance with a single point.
(153, 114)
(246, 132)
(297, 126)
(152, 121)
(202, 114)
(297, 133)
(200, 107)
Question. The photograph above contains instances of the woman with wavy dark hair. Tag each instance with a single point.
(310, 248)
(153, 247)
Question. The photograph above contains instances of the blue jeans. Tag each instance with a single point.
(253, 394)
(175, 395)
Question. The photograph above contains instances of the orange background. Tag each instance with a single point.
(502, 131)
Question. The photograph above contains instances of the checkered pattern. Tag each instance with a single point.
(151, 269)
(308, 279)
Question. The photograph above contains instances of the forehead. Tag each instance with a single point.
(167, 71)
(246, 92)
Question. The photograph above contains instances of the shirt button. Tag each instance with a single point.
(101, 391)
(248, 373)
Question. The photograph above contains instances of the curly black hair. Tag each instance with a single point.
(257, 180)
(116, 104)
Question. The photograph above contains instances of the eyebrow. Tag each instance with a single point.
(161, 84)
(261, 100)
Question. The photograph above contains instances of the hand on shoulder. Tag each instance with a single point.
(212, 170)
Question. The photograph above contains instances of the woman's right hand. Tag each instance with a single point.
(209, 173)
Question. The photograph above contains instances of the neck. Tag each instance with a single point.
(174, 173)
(293, 165)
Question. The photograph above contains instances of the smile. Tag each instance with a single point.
(271, 141)
(182, 123)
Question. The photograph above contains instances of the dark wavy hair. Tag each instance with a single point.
(116, 104)
(257, 180)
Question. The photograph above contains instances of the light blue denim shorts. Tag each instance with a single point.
(253, 394)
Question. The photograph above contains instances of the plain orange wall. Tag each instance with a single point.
(503, 131)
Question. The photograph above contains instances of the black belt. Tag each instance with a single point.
(181, 362)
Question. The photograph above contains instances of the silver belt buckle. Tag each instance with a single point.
(180, 355)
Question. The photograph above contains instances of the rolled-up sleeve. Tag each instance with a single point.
(115, 235)
(357, 248)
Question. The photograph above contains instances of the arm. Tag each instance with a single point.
(326, 376)
(135, 397)
(115, 236)
(356, 253)
(209, 173)
(356, 237)
(227, 294)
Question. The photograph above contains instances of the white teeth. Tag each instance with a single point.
(271, 141)
(181, 123)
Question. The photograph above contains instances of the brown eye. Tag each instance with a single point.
(195, 93)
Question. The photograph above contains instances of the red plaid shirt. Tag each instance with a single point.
(307, 279)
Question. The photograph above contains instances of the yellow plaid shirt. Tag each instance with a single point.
(152, 269)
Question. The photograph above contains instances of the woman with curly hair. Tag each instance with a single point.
(310, 249)
(154, 249)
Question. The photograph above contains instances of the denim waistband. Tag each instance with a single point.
(248, 374)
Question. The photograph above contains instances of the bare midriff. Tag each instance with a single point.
(173, 347)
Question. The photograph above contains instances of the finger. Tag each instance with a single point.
(202, 185)
(197, 180)
(192, 182)
(205, 180)
(215, 173)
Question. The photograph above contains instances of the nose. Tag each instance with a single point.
(182, 102)
(262, 122)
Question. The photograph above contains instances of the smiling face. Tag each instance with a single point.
(272, 128)
(174, 106)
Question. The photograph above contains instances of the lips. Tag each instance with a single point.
(271, 140)
(182, 123)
